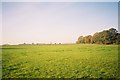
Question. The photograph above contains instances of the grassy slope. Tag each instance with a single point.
(76, 60)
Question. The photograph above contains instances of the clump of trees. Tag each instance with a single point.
(110, 36)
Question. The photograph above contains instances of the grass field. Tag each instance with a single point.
(60, 61)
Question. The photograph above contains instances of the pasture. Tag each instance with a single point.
(60, 61)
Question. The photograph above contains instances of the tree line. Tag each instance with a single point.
(110, 36)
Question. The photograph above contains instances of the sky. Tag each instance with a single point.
(60, 0)
(55, 22)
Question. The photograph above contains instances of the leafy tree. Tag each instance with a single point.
(118, 38)
(110, 36)
(88, 39)
(95, 38)
(80, 40)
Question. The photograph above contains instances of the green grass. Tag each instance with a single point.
(60, 61)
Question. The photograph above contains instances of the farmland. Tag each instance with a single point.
(60, 61)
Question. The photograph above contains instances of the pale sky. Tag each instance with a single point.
(60, 22)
